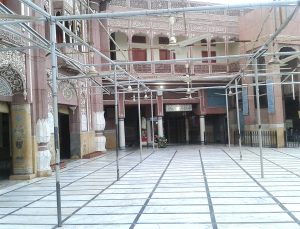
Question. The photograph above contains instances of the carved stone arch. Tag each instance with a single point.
(5, 89)
(67, 93)
(11, 81)
(118, 31)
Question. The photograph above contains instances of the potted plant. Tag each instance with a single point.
(161, 142)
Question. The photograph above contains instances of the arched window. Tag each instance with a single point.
(59, 32)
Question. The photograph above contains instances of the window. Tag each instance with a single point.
(139, 54)
(139, 39)
(163, 40)
(164, 54)
(59, 32)
(113, 54)
(213, 54)
(203, 42)
(263, 99)
(204, 54)
(213, 43)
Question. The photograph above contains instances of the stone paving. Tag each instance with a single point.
(177, 187)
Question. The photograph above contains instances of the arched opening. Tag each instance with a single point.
(290, 93)
(11, 84)
(68, 121)
(122, 41)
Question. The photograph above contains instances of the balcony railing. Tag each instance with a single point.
(180, 68)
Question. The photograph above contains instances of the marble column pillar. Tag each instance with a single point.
(160, 126)
(21, 142)
(187, 130)
(160, 113)
(100, 139)
(276, 115)
(43, 134)
(202, 129)
(121, 133)
(121, 116)
(149, 137)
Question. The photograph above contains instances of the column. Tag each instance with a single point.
(160, 126)
(187, 130)
(202, 129)
(121, 115)
(43, 133)
(121, 133)
(160, 113)
(276, 115)
(149, 137)
(99, 38)
(21, 142)
(100, 139)
(209, 54)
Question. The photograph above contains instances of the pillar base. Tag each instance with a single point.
(44, 173)
(122, 148)
(22, 177)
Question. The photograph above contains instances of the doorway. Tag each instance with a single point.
(64, 136)
(175, 127)
(5, 157)
(132, 126)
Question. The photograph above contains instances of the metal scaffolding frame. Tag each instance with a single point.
(40, 42)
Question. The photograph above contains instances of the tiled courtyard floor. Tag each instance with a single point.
(177, 187)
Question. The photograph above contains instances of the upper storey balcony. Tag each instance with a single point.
(140, 47)
(147, 39)
(65, 42)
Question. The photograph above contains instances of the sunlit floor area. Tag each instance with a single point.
(177, 187)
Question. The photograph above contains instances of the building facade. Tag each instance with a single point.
(26, 114)
(173, 52)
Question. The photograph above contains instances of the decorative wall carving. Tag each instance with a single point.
(158, 4)
(11, 81)
(118, 3)
(118, 23)
(46, 5)
(143, 4)
(160, 25)
(140, 24)
(83, 107)
(5, 88)
(15, 59)
(178, 4)
(11, 38)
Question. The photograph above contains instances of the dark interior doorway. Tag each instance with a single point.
(215, 129)
(5, 157)
(132, 126)
(64, 136)
(175, 128)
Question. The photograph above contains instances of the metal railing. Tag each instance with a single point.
(292, 140)
(251, 138)
(212, 138)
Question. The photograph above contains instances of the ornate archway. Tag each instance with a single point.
(11, 82)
